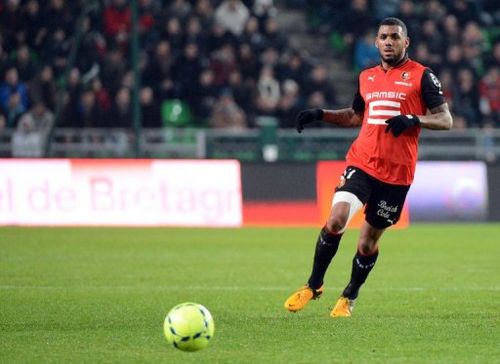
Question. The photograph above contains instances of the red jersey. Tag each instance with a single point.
(382, 95)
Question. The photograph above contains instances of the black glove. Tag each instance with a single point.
(400, 123)
(306, 117)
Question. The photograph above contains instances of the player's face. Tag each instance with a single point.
(391, 43)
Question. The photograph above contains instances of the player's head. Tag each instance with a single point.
(392, 40)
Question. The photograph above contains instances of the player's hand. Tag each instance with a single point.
(306, 117)
(400, 123)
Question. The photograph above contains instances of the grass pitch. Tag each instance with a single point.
(100, 295)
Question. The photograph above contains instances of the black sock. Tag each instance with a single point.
(361, 267)
(326, 247)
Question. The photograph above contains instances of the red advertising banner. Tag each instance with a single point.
(120, 192)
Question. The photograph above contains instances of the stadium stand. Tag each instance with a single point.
(225, 64)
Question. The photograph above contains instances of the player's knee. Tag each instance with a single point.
(337, 224)
(367, 248)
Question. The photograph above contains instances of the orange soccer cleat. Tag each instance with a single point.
(343, 308)
(301, 297)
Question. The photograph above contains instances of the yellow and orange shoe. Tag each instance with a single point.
(301, 297)
(343, 308)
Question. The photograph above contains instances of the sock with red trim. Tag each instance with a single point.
(326, 248)
(361, 267)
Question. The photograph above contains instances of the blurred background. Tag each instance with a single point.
(161, 83)
(225, 79)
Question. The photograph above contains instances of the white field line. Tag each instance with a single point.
(233, 288)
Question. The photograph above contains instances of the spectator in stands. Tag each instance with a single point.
(454, 59)
(158, 73)
(57, 51)
(431, 60)
(433, 9)
(26, 140)
(264, 10)
(13, 109)
(205, 11)
(410, 17)
(150, 109)
(11, 23)
(85, 113)
(273, 36)
(473, 45)
(466, 101)
(223, 62)
(43, 87)
(13, 95)
(357, 21)
(174, 35)
(319, 81)
(317, 100)
(448, 86)
(114, 68)
(59, 14)
(365, 52)
(117, 21)
(432, 37)
(217, 37)
(242, 91)
(493, 58)
(194, 34)
(3, 123)
(120, 115)
(180, 8)
(38, 119)
(204, 96)
(102, 97)
(24, 63)
(247, 61)
(289, 104)
(3, 60)
(268, 91)
(295, 68)
(489, 91)
(451, 29)
(464, 11)
(252, 36)
(232, 15)
(227, 114)
(187, 69)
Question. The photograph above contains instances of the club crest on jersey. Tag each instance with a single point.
(405, 76)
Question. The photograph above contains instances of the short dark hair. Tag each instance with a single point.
(393, 21)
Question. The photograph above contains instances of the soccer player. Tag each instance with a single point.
(394, 101)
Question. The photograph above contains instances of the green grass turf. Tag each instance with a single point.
(100, 295)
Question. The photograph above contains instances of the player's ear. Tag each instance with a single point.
(407, 42)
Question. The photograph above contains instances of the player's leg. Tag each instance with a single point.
(363, 262)
(344, 206)
(327, 243)
(383, 210)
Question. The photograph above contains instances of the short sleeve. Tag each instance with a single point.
(432, 92)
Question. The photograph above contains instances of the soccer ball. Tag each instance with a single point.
(189, 326)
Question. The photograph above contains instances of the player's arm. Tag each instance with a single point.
(343, 117)
(348, 117)
(439, 119)
(432, 95)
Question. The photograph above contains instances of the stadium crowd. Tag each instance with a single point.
(227, 61)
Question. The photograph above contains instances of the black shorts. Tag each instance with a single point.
(383, 201)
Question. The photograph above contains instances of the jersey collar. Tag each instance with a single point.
(401, 63)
